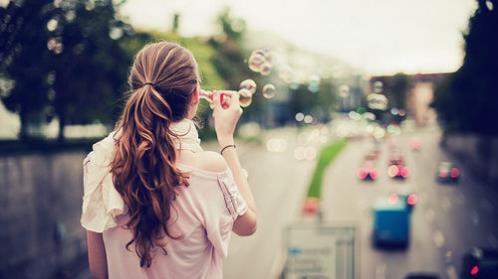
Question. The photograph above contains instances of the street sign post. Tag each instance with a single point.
(321, 251)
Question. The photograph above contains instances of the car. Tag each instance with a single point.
(367, 172)
(480, 263)
(391, 222)
(399, 171)
(448, 173)
(422, 275)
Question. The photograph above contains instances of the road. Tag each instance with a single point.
(447, 221)
(279, 184)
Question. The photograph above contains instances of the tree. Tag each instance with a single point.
(203, 53)
(320, 104)
(467, 101)
(24, 59)
(397, 90)
(65, 60)
(326, 98)
(90, 67)
(230, 61)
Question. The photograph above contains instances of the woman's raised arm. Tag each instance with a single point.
(225, 122)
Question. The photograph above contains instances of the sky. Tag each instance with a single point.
(378, 36)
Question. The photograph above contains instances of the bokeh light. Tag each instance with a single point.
(299, 116)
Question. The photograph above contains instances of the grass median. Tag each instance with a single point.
(327, 154)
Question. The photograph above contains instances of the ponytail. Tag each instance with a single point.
(143, 169)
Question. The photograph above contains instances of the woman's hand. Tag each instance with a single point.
(225, 119)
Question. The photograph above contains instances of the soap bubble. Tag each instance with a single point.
(245, 97)
(269, 91)
(248, 84)
(265, 69)
(261, 61)
(260, 51)
(256, 60)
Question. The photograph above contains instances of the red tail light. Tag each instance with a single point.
(362, 174)
(373, 174)
(454, 173)
(311, 205)
(403, 171)
(412, 199)
(392, 171)
(474, 270)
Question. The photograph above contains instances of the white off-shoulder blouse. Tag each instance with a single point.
(202, 214)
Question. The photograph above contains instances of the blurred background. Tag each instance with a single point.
(370, 140)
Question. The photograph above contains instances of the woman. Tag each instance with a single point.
(155, 204)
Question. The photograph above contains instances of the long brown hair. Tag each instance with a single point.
(162, 79)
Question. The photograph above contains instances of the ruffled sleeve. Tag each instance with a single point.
(101, 201)
(219, 219)
(234, 202)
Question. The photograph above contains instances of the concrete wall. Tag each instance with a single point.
(40, 206)
(478, 153)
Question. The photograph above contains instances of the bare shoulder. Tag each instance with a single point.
(211, 161)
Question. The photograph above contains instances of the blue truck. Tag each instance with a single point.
(391, 222)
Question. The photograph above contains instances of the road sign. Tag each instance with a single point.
(320, 251)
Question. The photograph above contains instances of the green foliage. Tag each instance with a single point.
(24, 59)
(320, 104)
(204, 55)
(63, 60)
(230, 61)
(326, 156)
(90, 72)
(467, 101)
(70, 60)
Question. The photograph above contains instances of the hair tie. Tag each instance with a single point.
(149, 83)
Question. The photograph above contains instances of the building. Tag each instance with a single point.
(420, 95)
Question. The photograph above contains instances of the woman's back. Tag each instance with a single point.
(202, 217)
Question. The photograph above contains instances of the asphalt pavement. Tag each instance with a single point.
(279, 184)
(447, 221)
